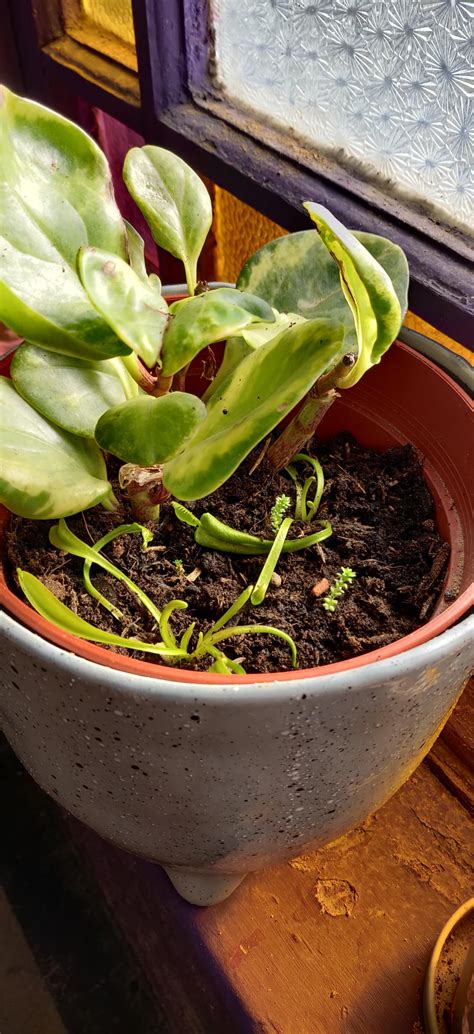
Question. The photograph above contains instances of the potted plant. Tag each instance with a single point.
(208, 742)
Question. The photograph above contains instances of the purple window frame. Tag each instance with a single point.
(180, 108)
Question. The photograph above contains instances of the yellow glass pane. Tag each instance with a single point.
(239, 230)
(114, 16)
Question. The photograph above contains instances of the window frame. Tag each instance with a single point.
(174, 102)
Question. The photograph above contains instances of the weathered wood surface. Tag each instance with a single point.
(335, 942)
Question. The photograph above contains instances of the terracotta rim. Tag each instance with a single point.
(106, 658)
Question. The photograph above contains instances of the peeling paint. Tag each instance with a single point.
(336, 897)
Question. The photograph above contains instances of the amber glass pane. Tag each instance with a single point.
(104, 26)
(114, 16)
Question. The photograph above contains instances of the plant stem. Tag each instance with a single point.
(162, 386)
(145, 490)
(191, 276)
(300, 429)
(303, 425)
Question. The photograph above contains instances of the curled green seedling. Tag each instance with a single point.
(306, 510)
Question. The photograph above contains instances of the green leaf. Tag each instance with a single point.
(132, 306)
(47, 604)
(166, 633)
(367, 289)
(63, 538)
(297, 274)
(173, 200)
(184, 515)
(254, 399)
(235, 351)
(230, 613)
(252, 337)
(70, 392)
(123, 529)
(214, 534)
(213, 316)
(263, 580)
(56, 197)
(228, 633)
(44, 471)
(149, 430)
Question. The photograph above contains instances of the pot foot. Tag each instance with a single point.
(202, 888)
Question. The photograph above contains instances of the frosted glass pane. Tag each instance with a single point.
(115, 16)
(387, 86)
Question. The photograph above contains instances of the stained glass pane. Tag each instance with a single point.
(384, 86)
(104, 26)
(114, 16)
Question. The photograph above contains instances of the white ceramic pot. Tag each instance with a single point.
(216, 777)
(213, 781)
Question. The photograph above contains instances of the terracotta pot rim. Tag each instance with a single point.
(439, 623)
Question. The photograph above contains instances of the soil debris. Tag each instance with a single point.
(382, 518)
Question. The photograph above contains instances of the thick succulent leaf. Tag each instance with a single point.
(297, 274)
(56, 196)
(44, 471)
(132, 306)
(252, 337)
(70, 392)
(367, 289)
(254, 399)
(150, 430)
(213, 316)
(259, 333)
(174, 201)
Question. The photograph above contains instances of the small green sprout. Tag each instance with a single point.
(278, 511)
(47, 604)
(214, 534)
(179, 566)
(343, 580)
(306, 510)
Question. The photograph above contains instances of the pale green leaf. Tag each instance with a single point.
(46, 472)
(254, 399)
(367, 289)
(62, 537)
(213, 316)
(56, 196)
(48, 605)
(252, 337)
(173, 200)
(148, 430)
(296, 273)
(133, 307)
(70, 392)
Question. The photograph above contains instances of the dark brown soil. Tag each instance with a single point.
(382, 518)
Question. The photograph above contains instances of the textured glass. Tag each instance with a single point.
(387, 86)
(114, 16)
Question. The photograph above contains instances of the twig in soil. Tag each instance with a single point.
(87, 527)
(194, 575)
(260, 457)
